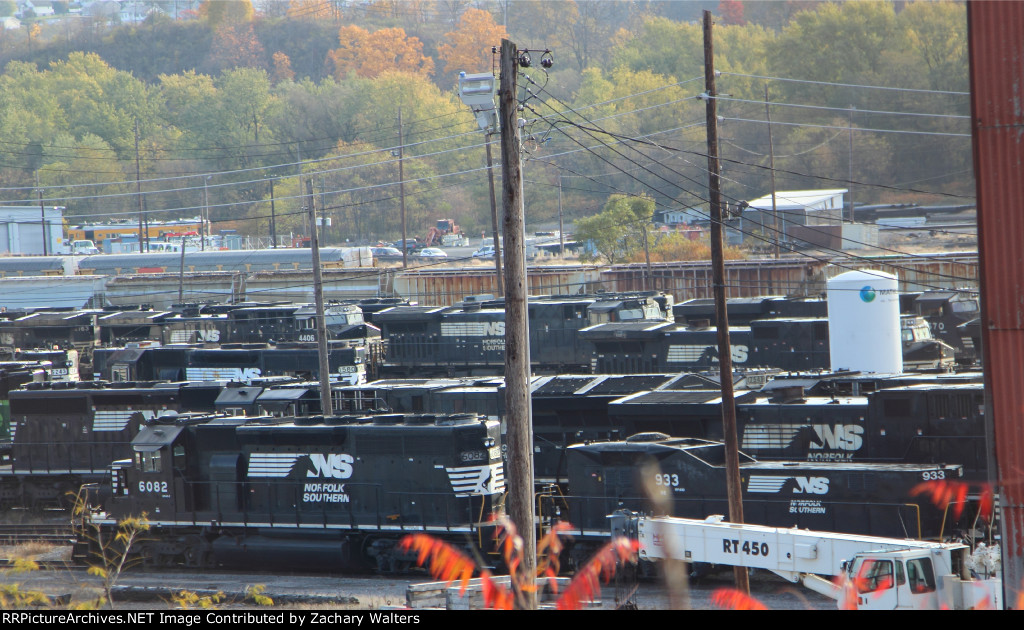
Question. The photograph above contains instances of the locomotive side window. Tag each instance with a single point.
(150, 462)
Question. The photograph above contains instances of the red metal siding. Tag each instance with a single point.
(996, 45)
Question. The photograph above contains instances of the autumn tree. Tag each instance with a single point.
(282, 68)
(367, 54)
(732, 12)
(235, 46)
(469, 47)
(218, 12)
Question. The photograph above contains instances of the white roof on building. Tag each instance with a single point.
(797, 199)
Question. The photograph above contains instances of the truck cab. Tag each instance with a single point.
(84, 248)
(916, 580)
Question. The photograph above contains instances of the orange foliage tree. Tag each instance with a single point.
(369, 54)
(469, 45)
(677, 247)
(282, 68)
(236, 46)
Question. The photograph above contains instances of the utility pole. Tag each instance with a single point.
(138, 184)
(181, 272)
(771, 169)
(850, 126)
(561, 237)
(494, 219)
(42, 215)
(273, 218)
(401, 189)
(318, 294)
(206, 213)
(517, 330)
(734, 490)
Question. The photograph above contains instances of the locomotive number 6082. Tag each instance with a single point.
(152, 486)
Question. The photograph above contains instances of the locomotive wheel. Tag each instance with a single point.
(196, 554)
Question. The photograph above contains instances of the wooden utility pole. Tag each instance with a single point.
(138, 183)
(561, 231)
(42, 216)
(401, 189)
(734, 490)
(771, 169)
(273, 218)
(494, 219)
(517, 330)
(318, 293)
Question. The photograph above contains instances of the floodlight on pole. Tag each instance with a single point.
(477, 91)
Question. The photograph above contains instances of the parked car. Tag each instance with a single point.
(411, 244)
(487, 251)
(432, 252)
(386, 254)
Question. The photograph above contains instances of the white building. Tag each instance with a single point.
(794, 207)
(23, 230)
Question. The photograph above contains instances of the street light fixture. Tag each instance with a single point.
(478, 91)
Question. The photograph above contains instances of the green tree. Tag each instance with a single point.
(617, 232)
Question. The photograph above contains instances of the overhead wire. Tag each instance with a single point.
(841, 253)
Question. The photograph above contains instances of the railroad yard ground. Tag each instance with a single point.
(141, 589)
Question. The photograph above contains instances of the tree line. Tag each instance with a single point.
(222, 113)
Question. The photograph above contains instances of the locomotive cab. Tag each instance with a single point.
(148, 477)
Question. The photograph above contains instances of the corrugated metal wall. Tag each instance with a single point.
(996, 47)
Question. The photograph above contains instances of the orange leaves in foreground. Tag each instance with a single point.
(945, 492)
(444, 562)
(585, 586)
(732, 599)
(448, 564)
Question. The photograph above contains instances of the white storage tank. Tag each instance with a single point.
(864, 322)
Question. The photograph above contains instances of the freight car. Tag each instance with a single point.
(469, 338)
(686, 477)
(332, 493)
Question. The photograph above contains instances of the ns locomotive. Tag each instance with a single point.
(686, 477)
(316, 492)
(469, 338)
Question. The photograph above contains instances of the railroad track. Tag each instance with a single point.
(57, 534)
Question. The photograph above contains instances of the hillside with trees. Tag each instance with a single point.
(225, 107)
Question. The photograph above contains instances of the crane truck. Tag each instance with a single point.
(874, 573)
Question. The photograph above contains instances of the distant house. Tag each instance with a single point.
(10, 23)
(135, 12)
(688, 216)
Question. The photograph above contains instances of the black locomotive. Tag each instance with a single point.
(314, 492)
(231, 362)
(686, 477)
(469, 339)
(66, 434)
